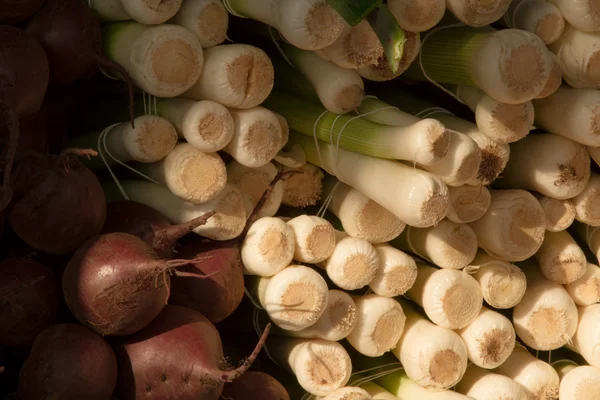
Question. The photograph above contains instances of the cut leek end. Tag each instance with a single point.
(154, 137)
(504, 123)
(550, 27)
(478, 13)
(434, 209)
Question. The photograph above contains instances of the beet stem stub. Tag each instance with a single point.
(9, 115)
(164, 239)
(105, 62)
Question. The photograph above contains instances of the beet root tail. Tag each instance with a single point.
(164, 239)
(12, 122)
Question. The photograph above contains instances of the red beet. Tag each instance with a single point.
(255, 385)
(29, 295)
(68, 362)
(178, 356)
(14, 11)
(58, 203)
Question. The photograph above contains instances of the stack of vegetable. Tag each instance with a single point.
(300, 199)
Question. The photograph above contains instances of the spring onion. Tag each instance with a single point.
(252, 182)
(142, 11)
(560, 214)
(555, 79)
(580, 383)
(586, 202)
(582, 14)
(348, 393)
(480, 384)
(588, 235)
(585, 291)
(268, 247)
(396, 274)
(415, 15)
(377, 392)
(468, 203)
(536, 16)
(381, 71)
(560, 258)
(477, 13)
(303, 190)
(587, 338)
(563, 367)
(314, 237)
(207, 19)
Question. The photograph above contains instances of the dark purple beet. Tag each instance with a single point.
(14, 11)
(29, 295)
(255, 385)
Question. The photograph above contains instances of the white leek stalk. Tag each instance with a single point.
(490, 339)
(585, 291)
(143, 11)
(538, 379)
(587, 336)
(588, 235)
(480, 384)
(513, 227)
(189, 173)
(478, 13)
(494, 157)
(503, 284)
(396, 274)
(546, 317)
(468, 203)
(163, 60)
(227, 223)
(586, 202)
(563, 367)
(447, 244)
(380, 323)
(404, 388)
(415, 197)
(303, 189)
(381, 71)
(253, 182)
(206, 125)
(536, 16)
(314, 237)
(502, 122)
(555, 79)
(207, 19)
(560, 214)
(348, 393)
(377, 392)
(353, 263)
(594, 154)
(319, 365)
(268, 247)
(560, 258)
(582, 14)
(416, 15)
(234, 75)
(580, 383)
(432, 356)
(358, 46)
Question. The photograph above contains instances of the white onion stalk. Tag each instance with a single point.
(580, 383)
(589, 236)
(252, 182)
(163, 60)
(546, 317)
(538, 378)
(314, 237)
(560, 214)
(572, 113)
(400, 386)
(536, 16)
(451, 299)
(586, 202)
(480, 384)
(234, 75)
(417, 15)
(348, 393)
(294, 298)
(303, 189)
(418, 198)
(501, 122)
(432, 356)
(189, 173)
(490, 339)
(380, 71)
(587, 336)
(207, 19)
(377, 392)
(560, 258)
(585, 291)
(142, 11)
(582, 14)
(293, 157)
(226, 224)
(555, 79)
(353, 263)
(447, 244)
(468, 203)
(360, 216)
(477, 13)
(268, 247)
(396, 274)
(206, 125)
(563, 367)
(380, 323)
(319, 365)
(513, 227)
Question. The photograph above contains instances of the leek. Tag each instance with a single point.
(536, 16)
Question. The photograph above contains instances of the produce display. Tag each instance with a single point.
(300, 199)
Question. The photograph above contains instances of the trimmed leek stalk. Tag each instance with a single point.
(447, 244)
(377, 392)
(468, 203)
(381, 71)
(485, 385)
(555, 79)
(586, 202)
(494, 157)
(510, 65)
(560, 214)
(404, 388)
(546, 317)
(589, 235)
(587, 336)
(189, 173)
(580, 383)
(206, 125)
(549, 164)
(163, 60)
(418, 198)
(380, 323)
(142, 11)
(585, 291)
(207, 19)
(308, 24)
(594, 154)
(268, 247)
(503, 284)
(227, 223)
(490, 339)
(348, 393)
(563, 367)
(235, 75)
(538, 379)
(360, 216)
(513, 227)
(396, 274)
(417, 15)
(414, 143)
(582, 14)
(314, 237)
(536, 16)
(304, 189)
(572, 113)
(501, 122)
(353, 263)
(560, 258)
(252, 182)
(478, 13)
(319, 365)
(432, 356)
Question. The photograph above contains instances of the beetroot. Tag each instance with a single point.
(68, 362)
(255, 385)
(178, 356)
(58, 203)
(29, 295)
(14, 11)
